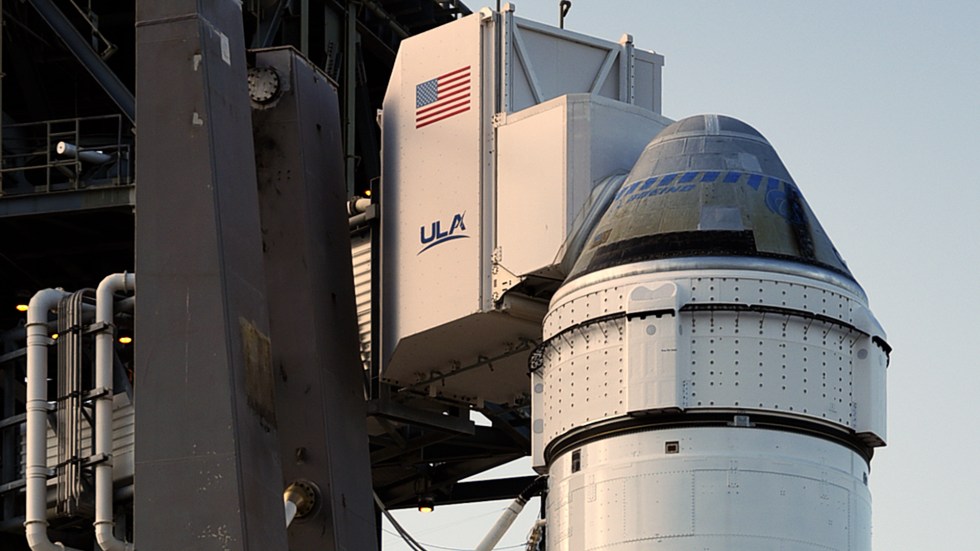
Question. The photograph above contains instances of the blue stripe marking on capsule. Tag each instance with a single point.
(710, 176)
(667, 179)
(772, 184)
(732, 177)
(648, 183)
(688, 177)
(754, 181)
(626, 190)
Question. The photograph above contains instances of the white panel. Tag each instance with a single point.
(562, 66)
(647, 68)
(870, 384)
(610, 136)
(521, 93)
(780, 358)
(654, 381)
(434, 177)
(432, 183)
(798, 509)
(597, 301)
(660, 505)
(725, 286)
(531, 176)
(778, 362)
(550, 157)
(555, 62)
(610, 86)
(774, 291)
(659, 296)
(462, 195)
(584, 379)
(571, 518)
(605, 524)
(722, 488)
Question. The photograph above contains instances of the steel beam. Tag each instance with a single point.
(320, 381)
(9, 448)
(441, 478)
(208, 475)
(67, 201)
(483, 490)
(2, 75)
(94, 64)
(350, 95)
(383, 407)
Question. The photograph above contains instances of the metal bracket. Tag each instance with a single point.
(96, 393)
(97, 459)
(100, 327)
(523, 347)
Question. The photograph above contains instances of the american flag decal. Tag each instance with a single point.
(442, 97)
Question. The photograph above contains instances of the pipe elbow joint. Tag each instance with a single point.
(108, 541)
(41, 303)
(125, 281)
(37, 537)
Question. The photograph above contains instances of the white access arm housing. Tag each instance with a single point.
(496, 132)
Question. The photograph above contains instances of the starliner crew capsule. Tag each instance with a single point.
(711, 377)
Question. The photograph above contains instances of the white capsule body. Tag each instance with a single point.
(709, 404)
(723, 490)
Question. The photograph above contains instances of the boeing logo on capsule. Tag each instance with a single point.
(779, 198)
(437, 235)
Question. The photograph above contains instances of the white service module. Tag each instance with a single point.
(696, 489)
(711, 376)
(496, 132)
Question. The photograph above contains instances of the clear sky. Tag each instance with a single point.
(874, 107)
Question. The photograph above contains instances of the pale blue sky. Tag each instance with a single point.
(874, 107)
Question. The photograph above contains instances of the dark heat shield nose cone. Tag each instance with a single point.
(708, 186)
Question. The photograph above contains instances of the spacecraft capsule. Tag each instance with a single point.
(711, 376)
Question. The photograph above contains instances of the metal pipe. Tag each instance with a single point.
(358, 205)
(36, 461)
(502, 525)
(104, 303)
(89, 156)
(525, 308)
(369, 214)
(87, 57)
(509, 515)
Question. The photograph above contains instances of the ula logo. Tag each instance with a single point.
(437, 235)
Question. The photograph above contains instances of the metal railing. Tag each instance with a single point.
(30, 162)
